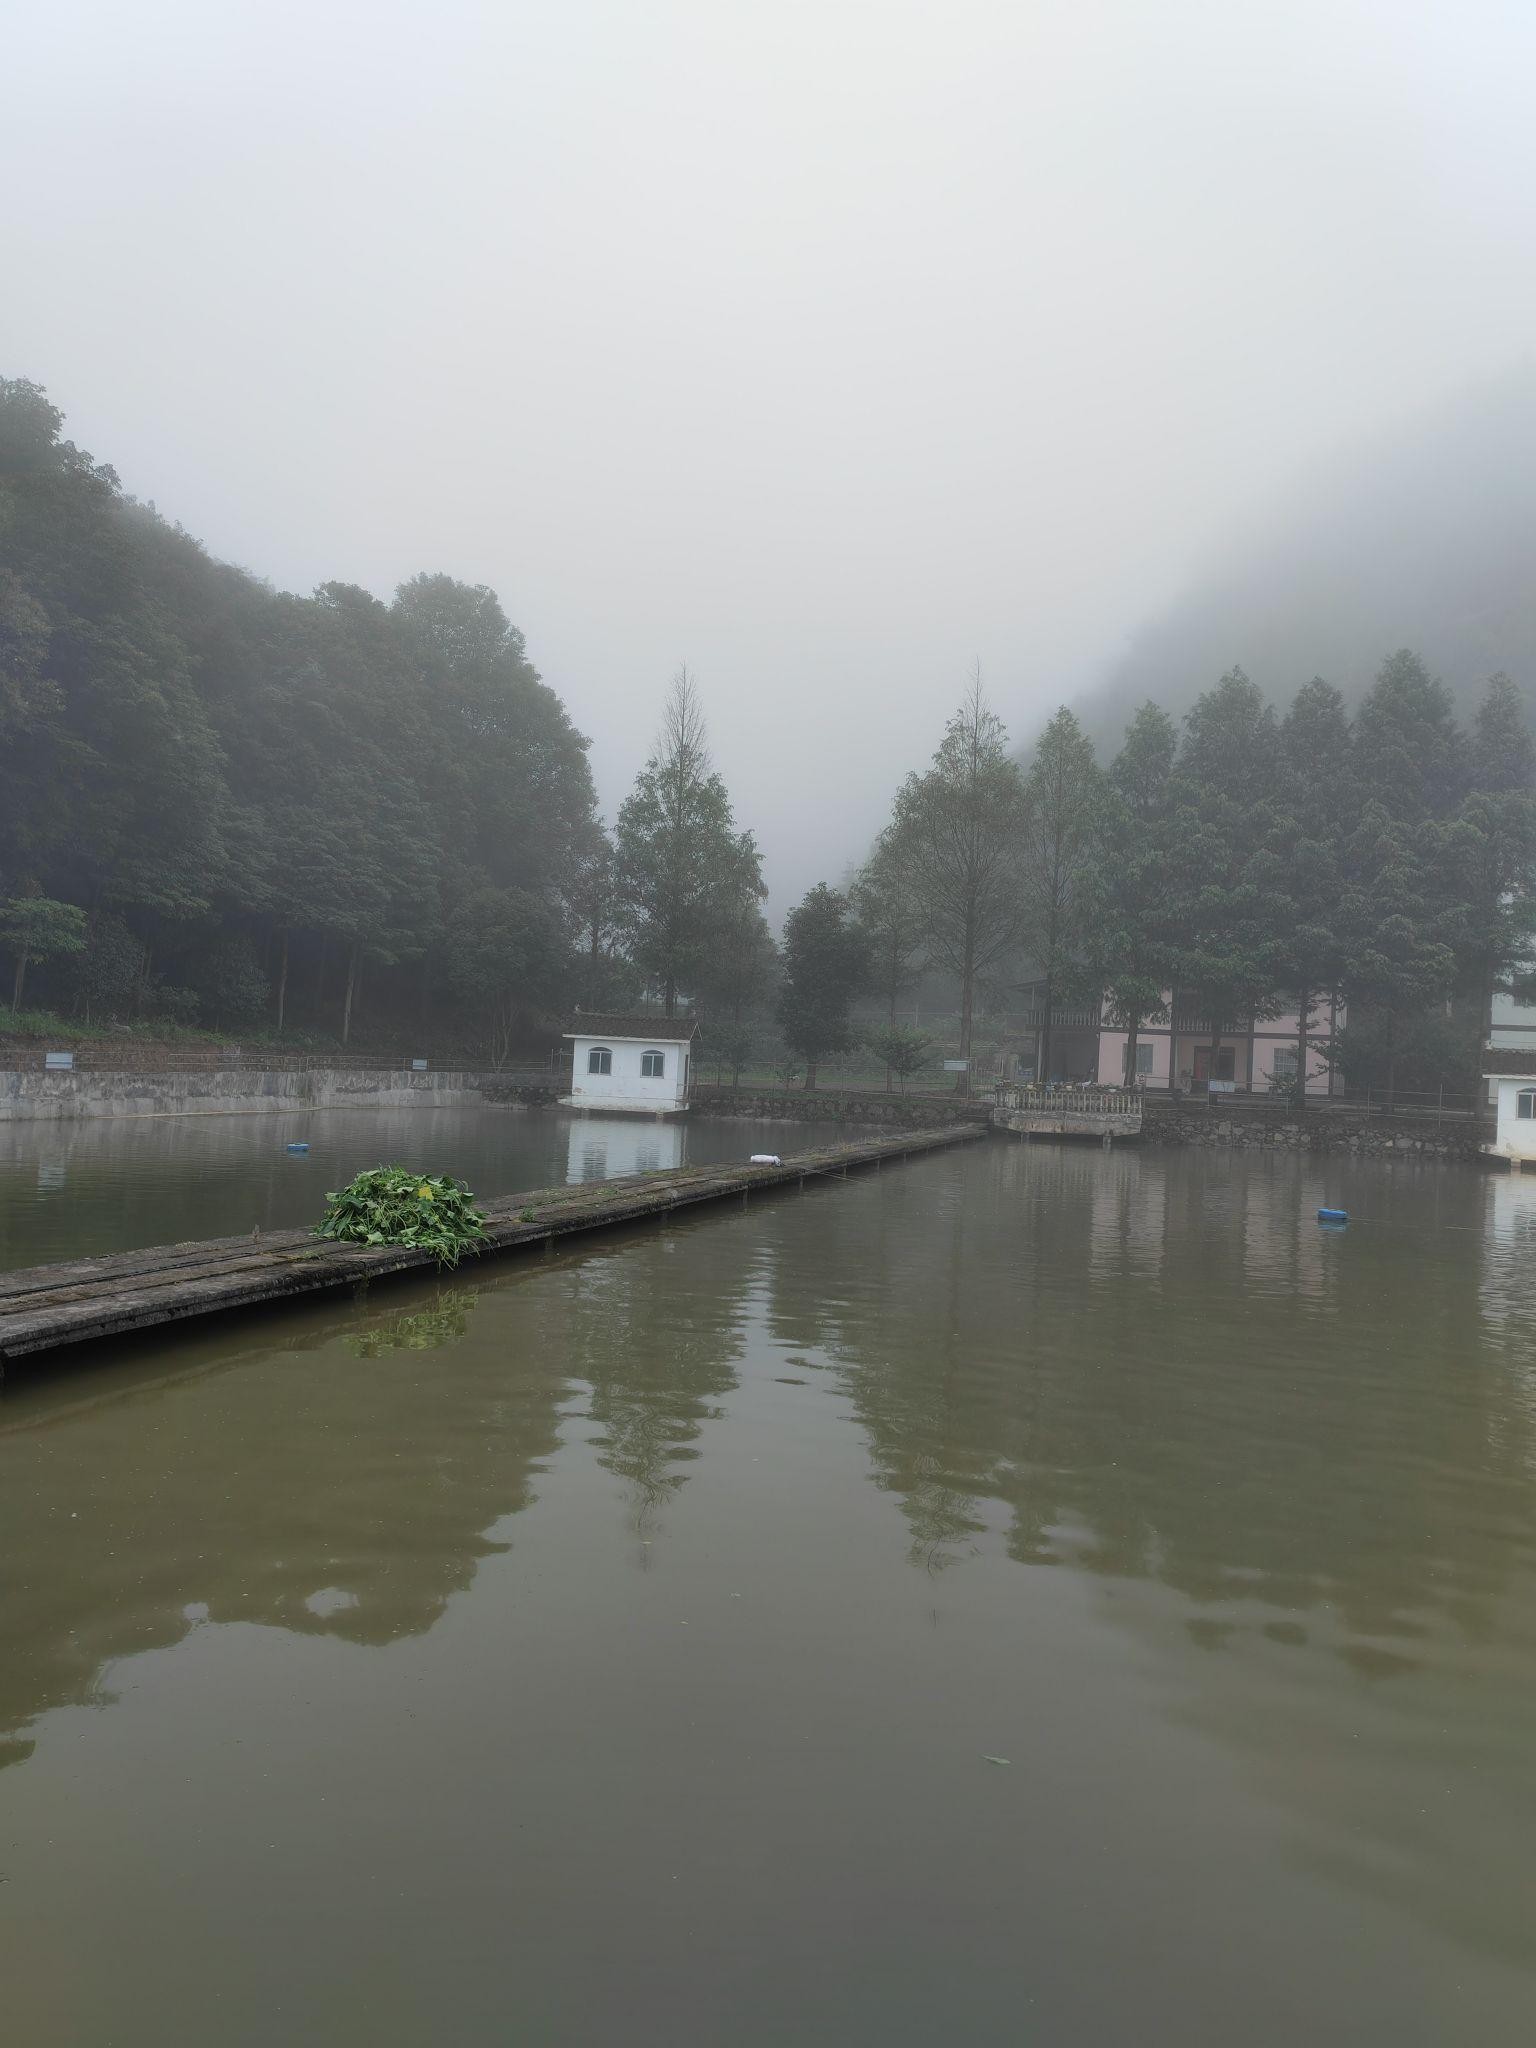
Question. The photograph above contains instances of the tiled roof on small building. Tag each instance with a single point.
(1508, 1059)
(649, 1025)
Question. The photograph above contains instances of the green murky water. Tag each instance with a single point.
(71, 1189)
(1028, 1596)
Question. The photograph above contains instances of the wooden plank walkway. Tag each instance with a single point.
(44, 1308)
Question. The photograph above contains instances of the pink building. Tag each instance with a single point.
(1253, 1058)
(1249, 1058)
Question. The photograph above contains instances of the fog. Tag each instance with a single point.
(1424, 537)
(825, 347)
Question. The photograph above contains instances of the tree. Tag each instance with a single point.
(1395, 961)
(890, 914)
(229, 985)
(1409, 749)
(683, 868)
(39, 928)
(902, 1051)
(106, 978)
(1316, 803)
(1488, 858)
(1126, 887)
(1063, 810)
(826, 964)
(1226, 910)
(217, 771)
(738, 976)
(605, 977)
(508, 954)
(957, 832)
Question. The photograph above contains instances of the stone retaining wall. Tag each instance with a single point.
(840, 1106)
(1333, 1127)
(27, 1097)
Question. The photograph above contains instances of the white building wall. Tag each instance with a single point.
(1515, 1135)
(626, 1087)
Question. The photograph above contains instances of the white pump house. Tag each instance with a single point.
(1511, 1075)
(641, 1065)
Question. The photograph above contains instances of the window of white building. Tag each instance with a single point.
(599, 1060)
(1143, 1059)
(1525, 1103)
(1283, 1063)
(653, 1066)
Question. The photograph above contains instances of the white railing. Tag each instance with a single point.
(1067, 1100)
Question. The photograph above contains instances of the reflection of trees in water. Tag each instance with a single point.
(339, 1474)
(336, 1477)
(1245, 1408)
(1312, 1451)
(656, 1331)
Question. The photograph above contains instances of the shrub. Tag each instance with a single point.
(231, 988)
(390, 1205)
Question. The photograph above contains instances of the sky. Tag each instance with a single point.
(825, 345)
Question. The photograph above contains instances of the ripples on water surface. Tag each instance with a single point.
(618, 1646)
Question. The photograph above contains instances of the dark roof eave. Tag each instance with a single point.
(656, 1030)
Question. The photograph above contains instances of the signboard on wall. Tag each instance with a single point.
(1221, 1087)
(957, 1066)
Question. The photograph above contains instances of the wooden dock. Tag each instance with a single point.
(46, 1308)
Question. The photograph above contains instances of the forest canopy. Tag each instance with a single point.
(268, 810)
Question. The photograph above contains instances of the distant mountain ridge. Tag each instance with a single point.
(1424, 540)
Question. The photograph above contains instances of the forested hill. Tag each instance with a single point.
(323, 811)
(1424, 539)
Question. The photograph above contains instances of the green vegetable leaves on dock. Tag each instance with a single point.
(391, 1205)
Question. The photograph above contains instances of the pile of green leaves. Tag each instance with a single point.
(391, 1205)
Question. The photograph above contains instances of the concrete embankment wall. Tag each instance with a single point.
(29, 1096)
(838, 1106)
(1333, 1127)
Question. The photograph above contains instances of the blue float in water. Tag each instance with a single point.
(298, 1148)
(1333, 1215)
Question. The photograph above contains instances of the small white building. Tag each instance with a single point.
(641, 1064)
(1511, 1075)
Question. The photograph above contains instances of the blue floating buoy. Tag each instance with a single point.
(298, 1148)
(1333, 1215)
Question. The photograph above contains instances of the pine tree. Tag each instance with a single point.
(1225, 910)
(1126, 892)
(1409, 750)
(1063, 813)
(1315, 809)
(826, 964)
(957, 831)
(1487, 855)
(683, 868)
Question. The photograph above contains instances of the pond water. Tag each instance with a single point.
(1026, 1595)
(70, 1189)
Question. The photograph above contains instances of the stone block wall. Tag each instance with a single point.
(902, 1112)
(1331, 1127)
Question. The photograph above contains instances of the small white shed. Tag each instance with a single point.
(1514, 1136)
(642, 1064)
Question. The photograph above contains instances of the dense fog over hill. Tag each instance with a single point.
(1424, 538)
